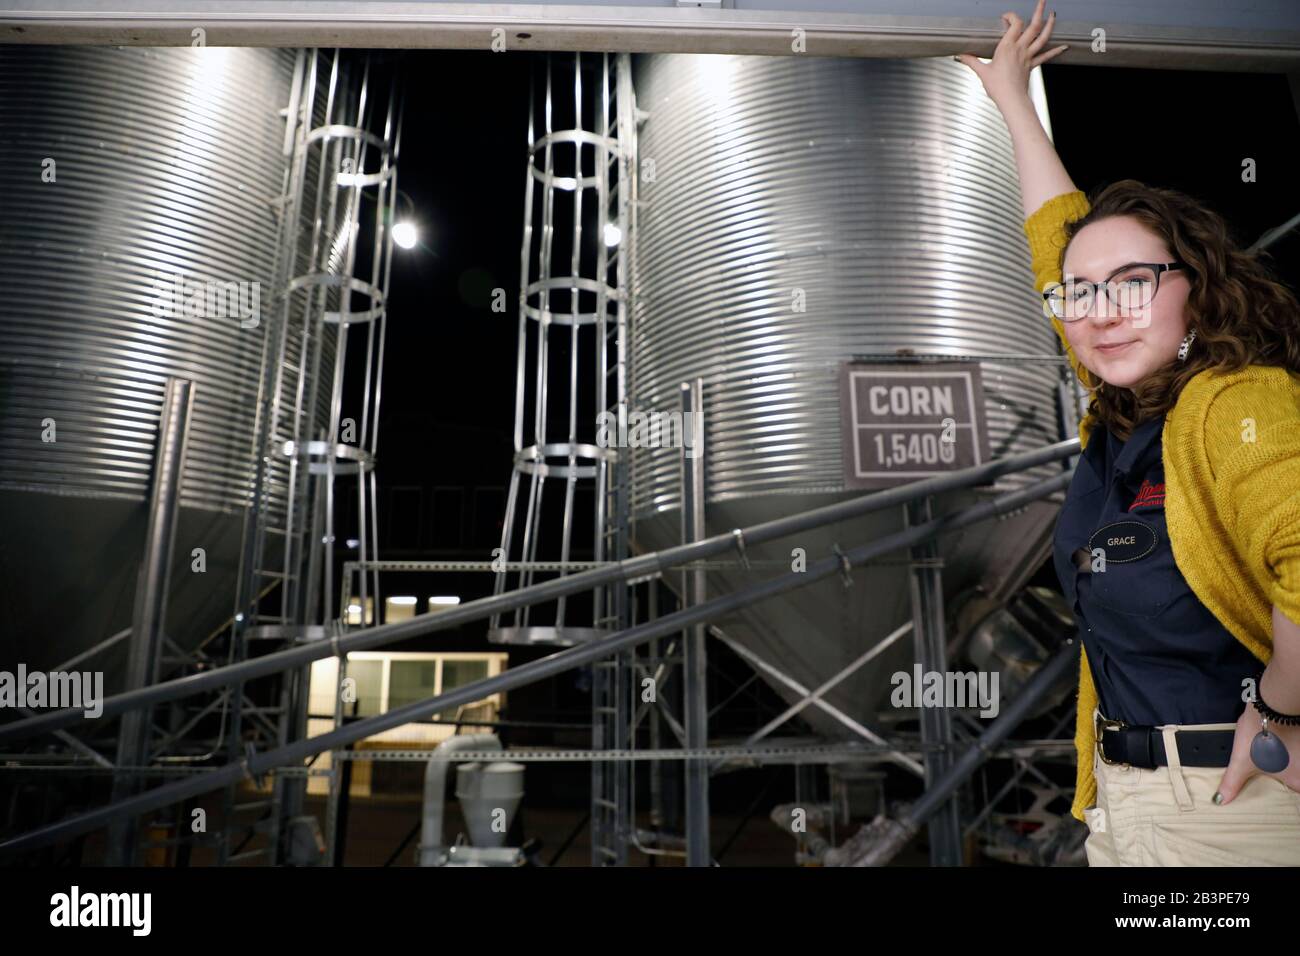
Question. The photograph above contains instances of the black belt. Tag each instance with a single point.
(1145, 746)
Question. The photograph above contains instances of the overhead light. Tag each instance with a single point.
(405, 234)
(443, 602)
(401, 608)
(613, 234)
(355, 613)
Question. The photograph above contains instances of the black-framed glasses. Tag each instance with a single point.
(1128, 288)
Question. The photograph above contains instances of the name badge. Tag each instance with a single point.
(1124, 541)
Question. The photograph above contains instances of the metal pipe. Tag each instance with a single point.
(150, 612)
(695, 665)
(813, 844)
(643, 566)
(91, 651)
(256, 764)
(84, 749)
(929, 636)
(656, 768)
(1276, 233)
(878, 842)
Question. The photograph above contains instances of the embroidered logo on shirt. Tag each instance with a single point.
(1149, 494)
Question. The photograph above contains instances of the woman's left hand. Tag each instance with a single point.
(1241, 767)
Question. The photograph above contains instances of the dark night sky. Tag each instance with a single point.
(449, 378)
(1188, 131)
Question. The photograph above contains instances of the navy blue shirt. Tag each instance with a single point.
(1158, 655)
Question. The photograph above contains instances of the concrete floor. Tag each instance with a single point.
(377, 825)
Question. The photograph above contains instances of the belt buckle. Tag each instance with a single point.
(1101, 724)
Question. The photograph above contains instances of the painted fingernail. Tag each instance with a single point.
(1218, 797)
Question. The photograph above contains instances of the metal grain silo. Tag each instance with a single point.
(120, 168)
(886, 190)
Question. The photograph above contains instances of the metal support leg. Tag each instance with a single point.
(656, 767)
(696, 699)
(150, 604)
(928, 632)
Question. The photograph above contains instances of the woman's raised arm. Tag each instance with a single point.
(1042, 175)
(1006, 80)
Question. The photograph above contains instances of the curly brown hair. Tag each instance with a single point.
(1241, 314)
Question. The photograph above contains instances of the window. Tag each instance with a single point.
(388, 680)
(457, 674)
(414, 680)
(369, 688)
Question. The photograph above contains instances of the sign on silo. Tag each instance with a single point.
(905, 421)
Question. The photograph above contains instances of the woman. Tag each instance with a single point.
(1178, 543)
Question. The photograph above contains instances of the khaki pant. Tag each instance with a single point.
(1167, 816)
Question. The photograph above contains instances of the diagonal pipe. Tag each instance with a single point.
(876, 843)
(643, 566)
(255, 764)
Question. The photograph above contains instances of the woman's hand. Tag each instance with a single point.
(1007, 75)
(1241, 768)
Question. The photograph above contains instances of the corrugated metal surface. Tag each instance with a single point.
(886, 191)
(167, 160)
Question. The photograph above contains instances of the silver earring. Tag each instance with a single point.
(1187, 344)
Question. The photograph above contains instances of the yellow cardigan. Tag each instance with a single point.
(1232, 488)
